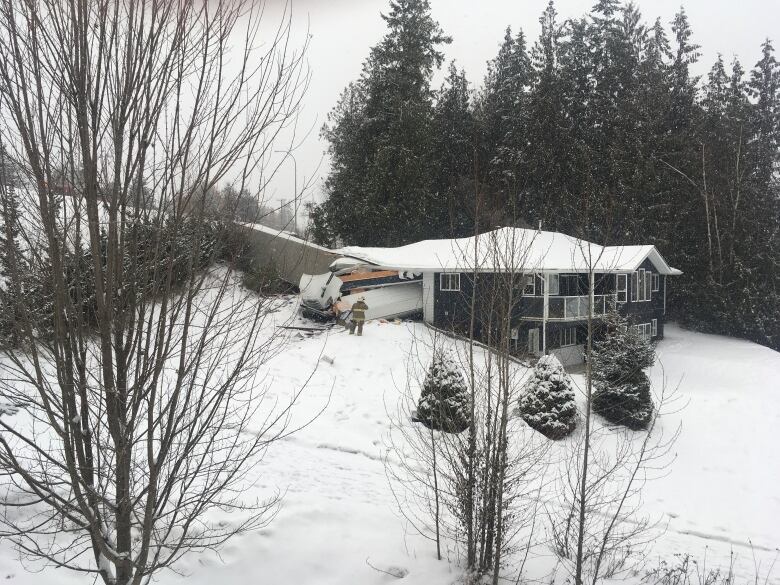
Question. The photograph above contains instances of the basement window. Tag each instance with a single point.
(449, 281)
(643, 330)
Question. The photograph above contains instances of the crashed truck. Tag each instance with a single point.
(388, 293)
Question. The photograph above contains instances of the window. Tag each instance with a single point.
(640, 285)
(656, 282)
(654, 328)
(569, 284)
(648, 285)
(568, 336)
(533, 341)
(449, 281)
(622, 288)
(529, 285)
(643, 330)
(554, 281)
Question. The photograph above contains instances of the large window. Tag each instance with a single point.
(644, 330)
(569, 284)
(568, 336)
(622, 288)
(449, 281)
(640, 285)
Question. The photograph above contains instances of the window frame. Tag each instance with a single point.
(641, 286)
(654, 328)
(656, 282)
(554, 290)
(449, 279)
(529, 280)
(624, 289)
(643, 330)
(565, 281)
(648, 285)
(570, 332)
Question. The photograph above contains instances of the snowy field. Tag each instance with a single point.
(338, 523)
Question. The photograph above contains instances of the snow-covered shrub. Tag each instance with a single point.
(444, 400)
(622, 389)
(547, 403)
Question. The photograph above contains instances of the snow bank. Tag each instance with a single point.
(338, 518)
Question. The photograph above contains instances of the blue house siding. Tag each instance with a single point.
(452, 309)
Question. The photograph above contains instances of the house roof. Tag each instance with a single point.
(511, 250)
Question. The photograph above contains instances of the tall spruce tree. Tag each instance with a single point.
(502, 115)
(380, 137)
(601, 129)
(453, 158)
(551, 164)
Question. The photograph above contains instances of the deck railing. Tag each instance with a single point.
(568, 308)
(576, 307)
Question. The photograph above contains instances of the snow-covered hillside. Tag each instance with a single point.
(339, 525)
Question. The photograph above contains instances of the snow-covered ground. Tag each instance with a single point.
(338, 523)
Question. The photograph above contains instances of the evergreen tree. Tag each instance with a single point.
(600, 130)
(9, 251)
(547, 403)
(503, 119)
(453, 153)
(380, 137)
(551, 159)
(576, 68)
(622, 389)
(765, 89)
(444, 399)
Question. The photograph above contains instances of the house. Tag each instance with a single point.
(553, 276)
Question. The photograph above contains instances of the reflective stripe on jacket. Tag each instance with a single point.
(359, 311)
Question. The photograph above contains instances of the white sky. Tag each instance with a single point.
(342, 32)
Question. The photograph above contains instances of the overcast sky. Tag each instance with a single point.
(342, 32)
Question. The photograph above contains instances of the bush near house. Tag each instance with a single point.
(164, 248)
(547, 403)
(622, 389)
(444, 400)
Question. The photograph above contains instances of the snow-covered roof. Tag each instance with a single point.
(284, 235)
(511, 249)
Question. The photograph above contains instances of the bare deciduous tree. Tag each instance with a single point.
(477, 489)
(134, 365)
(599, 526)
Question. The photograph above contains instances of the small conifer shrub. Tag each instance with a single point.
(547, 403)
(444, 403)
(622, 389)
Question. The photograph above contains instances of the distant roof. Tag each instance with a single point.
(511, 249)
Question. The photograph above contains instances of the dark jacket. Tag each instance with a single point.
(359, 311)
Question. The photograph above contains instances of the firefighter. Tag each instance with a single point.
(358, 316)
